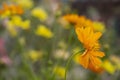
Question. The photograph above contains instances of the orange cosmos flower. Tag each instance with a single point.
(90, 58)
(87, 36)
(84, 29)
(72, 18)
(12, 9)
(79, 21)
(5, 6)
(19, 10)
(15, 9)
(1, 11)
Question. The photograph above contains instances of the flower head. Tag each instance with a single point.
(90, 58)
(109, 67)
(39, 13)
(24, 3)
(35, 55)
(60, 71)
(17, 22)
(72, 18)
(10, 10)
(99, 26)
(44, 31)
(79, 21)
(89, 38)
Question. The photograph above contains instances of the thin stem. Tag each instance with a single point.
(69, 60)
(26, 65)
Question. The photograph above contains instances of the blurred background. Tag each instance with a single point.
(36, 42)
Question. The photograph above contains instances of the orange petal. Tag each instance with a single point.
(79, 34)
(1, 11)
(97, 69)
(97, 35)
(98, 53)
(19, 10)
(5, 6)
(95, 61)
(84, 60)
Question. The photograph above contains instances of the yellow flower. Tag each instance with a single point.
(25, 3)
(109, 67)
(25, 24)
(11, 29)
(60, 71)
(5, 14)
(44, 32)
(99, 26)
(39, 13)
(13, 32)
(16, 20)
(35, 55)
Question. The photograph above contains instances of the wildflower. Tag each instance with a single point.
(10, 10)
(99, 26)
(60, 71)
(27, 4)
(39, 13)
(35, 55)
(11, 29)
(79, 21)
(88, 37)
(44, 32)
(72, 18)
(16, 9)
(17, 22)
(90, 58)
(109, 67)
(25, 24)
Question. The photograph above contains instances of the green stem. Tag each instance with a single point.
(69, 60)
(26, 65)
(70, 37)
